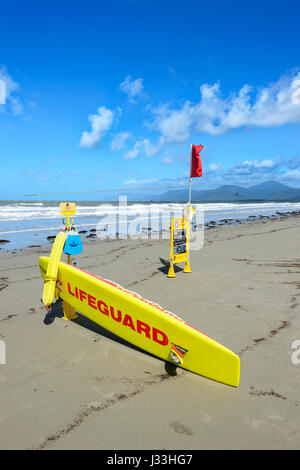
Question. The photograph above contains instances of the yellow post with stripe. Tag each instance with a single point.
(68, 209)
(52, 269)
(52, 286)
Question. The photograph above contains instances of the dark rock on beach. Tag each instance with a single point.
(226, 221)
(284, 214)
(4, 241)
(51, 237)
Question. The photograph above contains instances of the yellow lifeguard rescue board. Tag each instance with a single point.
(145, 324)
(52, 269)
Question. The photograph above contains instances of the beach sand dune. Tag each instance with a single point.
(74, 385)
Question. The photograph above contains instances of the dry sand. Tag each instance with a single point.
(73, 385)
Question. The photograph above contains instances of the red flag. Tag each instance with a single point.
(196, 165)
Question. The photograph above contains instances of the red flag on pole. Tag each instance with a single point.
(196, 165)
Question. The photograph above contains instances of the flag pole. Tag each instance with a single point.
(187, 267)
(190, 191)
(190, 182)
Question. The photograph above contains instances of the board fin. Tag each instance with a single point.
(69, 311)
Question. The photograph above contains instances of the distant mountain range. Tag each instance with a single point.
(268, 191)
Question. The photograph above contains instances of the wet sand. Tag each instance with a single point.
(73, 385)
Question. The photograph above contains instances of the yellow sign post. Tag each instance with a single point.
(68, 209)
(180, 233)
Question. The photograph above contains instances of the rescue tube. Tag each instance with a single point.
(52, 268)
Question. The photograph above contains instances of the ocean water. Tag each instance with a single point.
(26, 223)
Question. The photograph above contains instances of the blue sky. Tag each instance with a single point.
(102, 95)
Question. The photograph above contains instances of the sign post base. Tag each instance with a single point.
(187, 268)
(171, 272)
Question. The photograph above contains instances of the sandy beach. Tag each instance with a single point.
(73, 385)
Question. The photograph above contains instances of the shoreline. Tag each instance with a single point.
(91, 233)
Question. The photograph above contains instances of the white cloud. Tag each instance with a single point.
(174, 125)
(214, 167)
(2, 92)
(296, 93)
(152, 149)
(145, 181)
(252, 171)
(167, 160)
(267, 168)
(119, 140)
(133, 153)
(16, 106)
(294, 162)
(10, 85)
(292, 175)
(101, 123)
(145, 144)
(265, 164)
(133, 88)
(247, 172)
(9, 99)
(213, 114)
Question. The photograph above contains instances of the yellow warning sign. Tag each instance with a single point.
(180, 230)
(67, 208)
